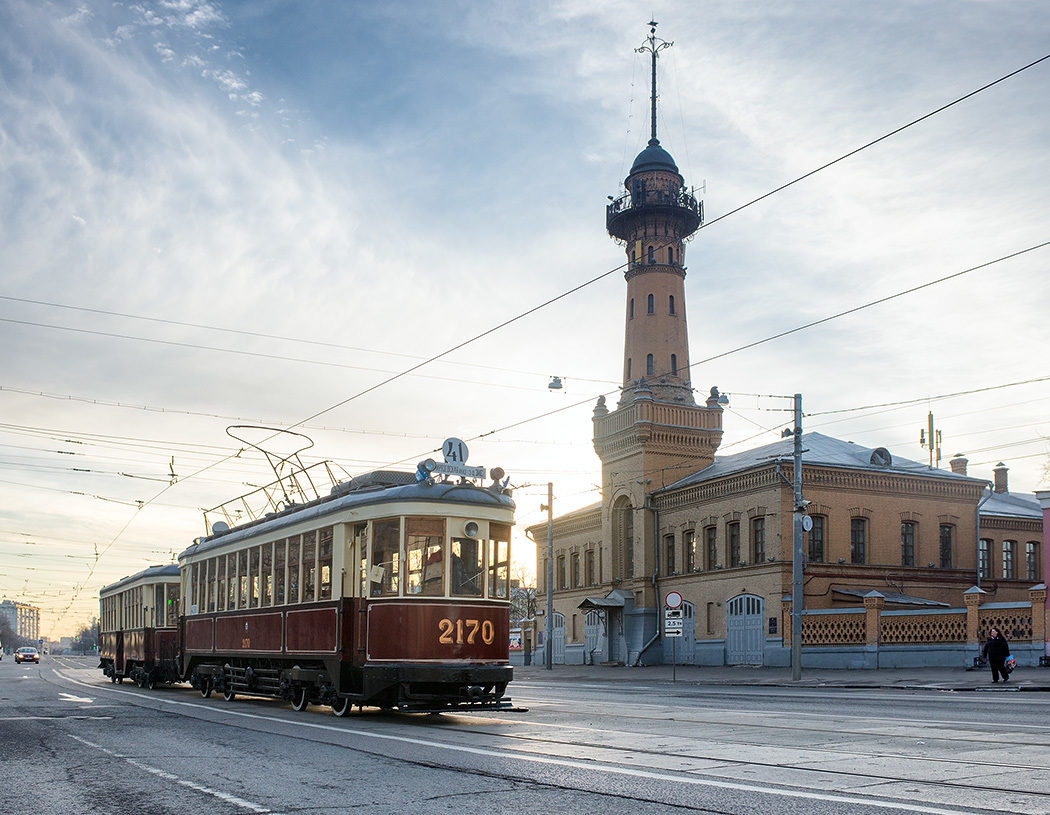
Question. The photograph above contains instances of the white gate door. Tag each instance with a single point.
(592, 631)
(745, 635)
(558, 637)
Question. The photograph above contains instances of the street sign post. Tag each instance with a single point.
(674, 625)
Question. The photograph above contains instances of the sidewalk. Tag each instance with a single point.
(944, 679)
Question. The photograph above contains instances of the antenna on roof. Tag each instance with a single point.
(653, 45)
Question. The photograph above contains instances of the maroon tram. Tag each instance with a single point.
(393, 590)
(138, 627)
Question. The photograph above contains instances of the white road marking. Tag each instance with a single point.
(222, 796)
(69, 697)
(589, 766)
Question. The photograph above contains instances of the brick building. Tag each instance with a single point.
(719, 529)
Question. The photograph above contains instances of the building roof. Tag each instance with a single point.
(817, 449)
(892, 597)
(1011, 505)
(654, 157)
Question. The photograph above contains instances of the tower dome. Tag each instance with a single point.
(654, 157)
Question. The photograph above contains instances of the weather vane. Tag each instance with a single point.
(653, 45)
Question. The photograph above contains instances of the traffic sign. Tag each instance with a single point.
(673, 599)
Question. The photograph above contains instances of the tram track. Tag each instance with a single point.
(635, 758)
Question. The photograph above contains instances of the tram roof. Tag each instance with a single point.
(439, 492)
(168, 570)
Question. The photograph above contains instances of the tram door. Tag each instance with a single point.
(745, 636)
(558, 639)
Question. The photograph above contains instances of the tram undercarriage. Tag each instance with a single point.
(404, 687)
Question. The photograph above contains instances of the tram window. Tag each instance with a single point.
(278, 572)
(499, 560)
(212, 568)
(386, 557)
(267, 574)
(468, 570)
(309, 567)
(293, 569)
(425, 555)
(253, 577)
(171, 615)
(324, 561)
(242, 579)
(360, 546)
(231, 582)
(192, 577)
(220, 583)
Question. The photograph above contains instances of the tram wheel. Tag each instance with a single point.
(341, 706)
(205, 687)
(300, 699)
(229, 695)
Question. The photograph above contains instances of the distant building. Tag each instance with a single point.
(23, 619)
(719, 529)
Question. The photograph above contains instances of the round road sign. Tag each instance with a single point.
(673, 599)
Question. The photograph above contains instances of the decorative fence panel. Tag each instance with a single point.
(923, 628)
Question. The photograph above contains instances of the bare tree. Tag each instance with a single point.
(85, 641)
(8, 639)
(522, 598)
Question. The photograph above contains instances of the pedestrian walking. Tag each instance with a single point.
(996, 650)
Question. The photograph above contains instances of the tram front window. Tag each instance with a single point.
(468, 569)
(499, 561)
(425, 553)
(386, 557)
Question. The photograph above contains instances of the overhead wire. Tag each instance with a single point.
(603, 275)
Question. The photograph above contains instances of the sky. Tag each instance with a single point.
(232, 213)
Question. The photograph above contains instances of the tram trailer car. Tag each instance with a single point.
(138, 627)
(391, 591)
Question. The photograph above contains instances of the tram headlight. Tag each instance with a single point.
(471, 528)
(425, 468)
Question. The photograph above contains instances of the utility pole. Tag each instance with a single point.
(548, 644)
(797, 551)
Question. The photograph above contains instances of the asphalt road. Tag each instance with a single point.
(71, 742)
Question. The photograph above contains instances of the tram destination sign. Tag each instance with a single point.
(452, 468)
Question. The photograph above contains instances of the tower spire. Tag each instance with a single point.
(653, 45)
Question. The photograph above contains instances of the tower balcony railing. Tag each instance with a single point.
(682, 207)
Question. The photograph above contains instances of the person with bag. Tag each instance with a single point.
(996, 650)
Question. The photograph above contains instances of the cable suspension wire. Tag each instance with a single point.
(601, 276)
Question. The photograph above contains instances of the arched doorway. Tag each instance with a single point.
(745, 635)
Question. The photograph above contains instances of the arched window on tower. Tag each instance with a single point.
(630, 310)
(628, 369)
(649, 369)
(652, 255)
(670, 304)
(650, 304)
(670, 256)
(674, 365)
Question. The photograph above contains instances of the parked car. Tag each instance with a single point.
(27, 655)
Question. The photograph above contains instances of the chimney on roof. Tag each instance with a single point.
(958, 464)
(999, 472)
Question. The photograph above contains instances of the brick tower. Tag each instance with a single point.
(657, 433)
